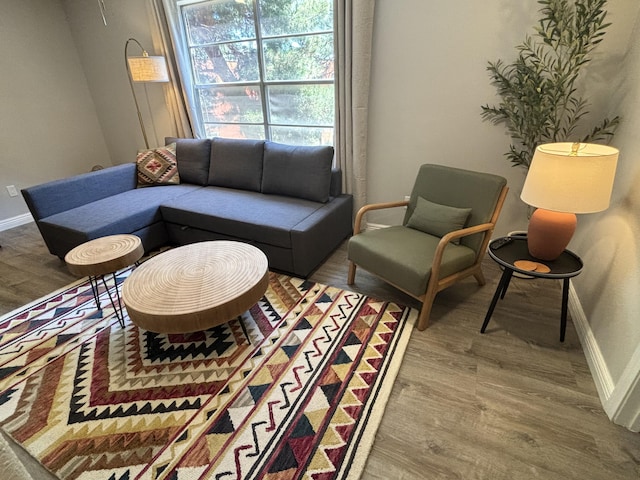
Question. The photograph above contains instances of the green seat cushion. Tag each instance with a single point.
(403, 256)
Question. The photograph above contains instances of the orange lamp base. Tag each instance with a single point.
(549, 233)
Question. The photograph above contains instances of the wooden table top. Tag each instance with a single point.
(104, 255)
(195, 287)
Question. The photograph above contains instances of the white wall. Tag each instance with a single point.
(101, 49)
(610, 247)
(48, 124)
(429, 81)
(609, 242)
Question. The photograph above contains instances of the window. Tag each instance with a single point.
(258, 68)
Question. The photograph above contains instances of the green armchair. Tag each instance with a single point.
(447, 226)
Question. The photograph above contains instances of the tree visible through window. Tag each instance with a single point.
(261, 68)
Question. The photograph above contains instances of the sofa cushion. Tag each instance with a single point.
(122, 213)
(297, 171)
(193, 156)
(250, 216)
(236, 163)
(66, 193)
(158, 166)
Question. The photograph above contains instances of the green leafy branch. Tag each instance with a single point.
(540, 102)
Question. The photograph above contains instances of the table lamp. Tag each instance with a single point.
(565, 179)
(144, 69)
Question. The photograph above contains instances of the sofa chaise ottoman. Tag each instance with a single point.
(284, 199)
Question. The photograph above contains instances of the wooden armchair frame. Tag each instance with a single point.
(435, 283)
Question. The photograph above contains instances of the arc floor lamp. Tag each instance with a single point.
(144, 69)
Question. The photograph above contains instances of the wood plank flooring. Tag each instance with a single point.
(514, 403)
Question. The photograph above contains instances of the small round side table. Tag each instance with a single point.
(512, 252)
(104, 256)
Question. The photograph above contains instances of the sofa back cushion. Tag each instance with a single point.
(297, 171)
(236, 163)
(66, 193)
(193, 156)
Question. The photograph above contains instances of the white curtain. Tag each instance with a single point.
(174, 95)
(353, 33)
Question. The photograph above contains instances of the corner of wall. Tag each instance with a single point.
(621, 400)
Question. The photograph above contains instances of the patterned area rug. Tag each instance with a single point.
(295, 388)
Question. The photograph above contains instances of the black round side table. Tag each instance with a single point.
(509, 251)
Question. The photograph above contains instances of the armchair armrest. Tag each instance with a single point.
(449, 237)
(483, 227)
(374, 206)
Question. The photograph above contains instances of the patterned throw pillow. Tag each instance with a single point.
(158, 166)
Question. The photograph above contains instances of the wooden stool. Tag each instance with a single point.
(103, 256)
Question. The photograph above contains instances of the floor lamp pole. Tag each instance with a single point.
(133, 91)
(144, 69)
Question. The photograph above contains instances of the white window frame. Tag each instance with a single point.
(190, 87)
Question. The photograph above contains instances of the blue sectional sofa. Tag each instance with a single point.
(284, 199)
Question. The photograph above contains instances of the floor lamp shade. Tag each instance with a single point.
(148, 69)
(565, 179)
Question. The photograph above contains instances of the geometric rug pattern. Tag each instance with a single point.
(294, 388)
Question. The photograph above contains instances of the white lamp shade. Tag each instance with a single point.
(148, 69)
(564, 180)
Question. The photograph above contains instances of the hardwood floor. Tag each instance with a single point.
(514, 403)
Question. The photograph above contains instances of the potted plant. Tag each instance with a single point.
(539, 92)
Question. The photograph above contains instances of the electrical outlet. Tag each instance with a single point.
(407, 198)
(12, 190)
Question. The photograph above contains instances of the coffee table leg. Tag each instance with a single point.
(117, 309)
(244, 329)
(94, 288)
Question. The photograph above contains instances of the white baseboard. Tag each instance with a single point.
(595, 360)
(620, 400)
(623, 407)
(15, 221)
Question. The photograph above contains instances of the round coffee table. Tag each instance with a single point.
(101, 256)
(196, 287)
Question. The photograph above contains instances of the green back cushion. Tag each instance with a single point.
(437, 219)
(460, 188)
(297, 171)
